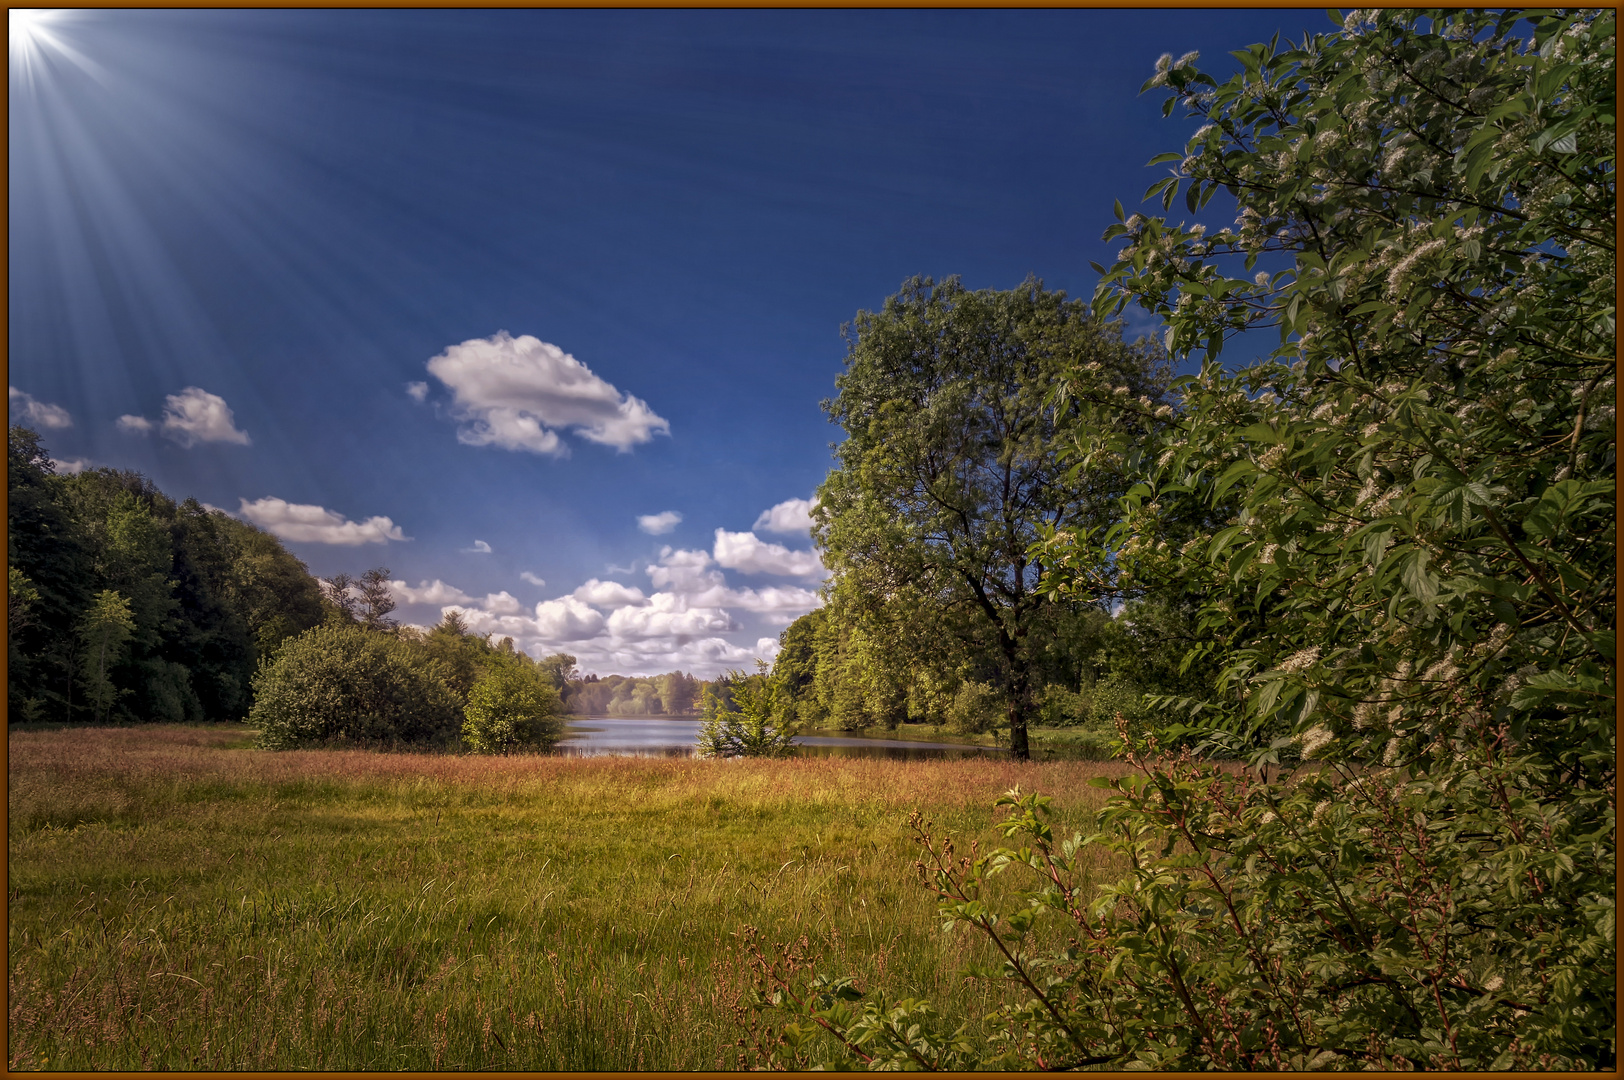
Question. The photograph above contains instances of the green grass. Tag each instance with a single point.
(178, 900)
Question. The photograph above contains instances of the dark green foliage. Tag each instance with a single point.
(207, 595)
(345, 684)
(45, 545)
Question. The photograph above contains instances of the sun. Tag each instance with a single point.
(30, 34)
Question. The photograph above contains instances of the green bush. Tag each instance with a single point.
(976, 709)
(747, 718)
(343, 684)
(1060, 707)
(511, 707)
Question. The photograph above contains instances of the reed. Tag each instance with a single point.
(178, 900)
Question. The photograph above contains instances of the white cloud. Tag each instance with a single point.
(417, 391)
(789, 516)
(517, 393)
(503, 603)
(531, 578)
(438, 593)
(480, 548)
(196, 416)
(659, 524)
(793, 601)
(611, 627)
(70, 467)
(609, 594)
(749, 554)
(668, 616)
(135, 425)
(312, 524)
(684, 572)
(38, 413)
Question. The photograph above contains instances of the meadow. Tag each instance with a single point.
(180, 900)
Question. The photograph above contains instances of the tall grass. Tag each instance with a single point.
(180, 901)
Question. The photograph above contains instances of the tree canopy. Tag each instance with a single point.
(949, 473)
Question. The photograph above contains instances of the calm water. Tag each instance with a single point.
(641, 737)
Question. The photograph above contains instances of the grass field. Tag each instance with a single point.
(179, 900)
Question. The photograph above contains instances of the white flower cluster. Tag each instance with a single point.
(1301, 660)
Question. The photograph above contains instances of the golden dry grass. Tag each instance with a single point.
(180, 901)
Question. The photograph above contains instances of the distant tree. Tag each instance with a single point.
(796, 665)
(949, 472)
(103, 635)
(271, 589)
(461, 655)
(560, 670)
(677, 693)
(376, 602)
(512, 707)
(344, 605)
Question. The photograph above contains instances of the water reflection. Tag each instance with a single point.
(641, 737)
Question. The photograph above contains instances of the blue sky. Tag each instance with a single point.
(564, 285)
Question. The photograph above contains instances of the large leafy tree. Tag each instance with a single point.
(948, 473)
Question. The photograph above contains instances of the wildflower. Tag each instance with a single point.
(1301, 659)
(1316, 739)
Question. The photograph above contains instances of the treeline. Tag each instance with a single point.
(839, 668)
(672, 694)
(124, 605)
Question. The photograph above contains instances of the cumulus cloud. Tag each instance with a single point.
(70, 467)
(313, 524)
(553, 622)
(684, 572)
(417, 391)
(196, 416)
(531, 578)
(659, 524)
(480, 548)
(503, 603)
(789, 516)
(436, 593)
(749, 554)
(610, 594)
(669, 616)
(134, 425)
(518, 393)
(610, 626)
(38, 413)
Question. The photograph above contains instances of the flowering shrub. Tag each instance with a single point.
(1409, 590)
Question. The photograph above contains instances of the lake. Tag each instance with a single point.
(590, 736)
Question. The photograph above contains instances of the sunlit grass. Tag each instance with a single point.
(179, 901)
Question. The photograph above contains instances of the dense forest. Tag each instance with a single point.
(126, 606)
